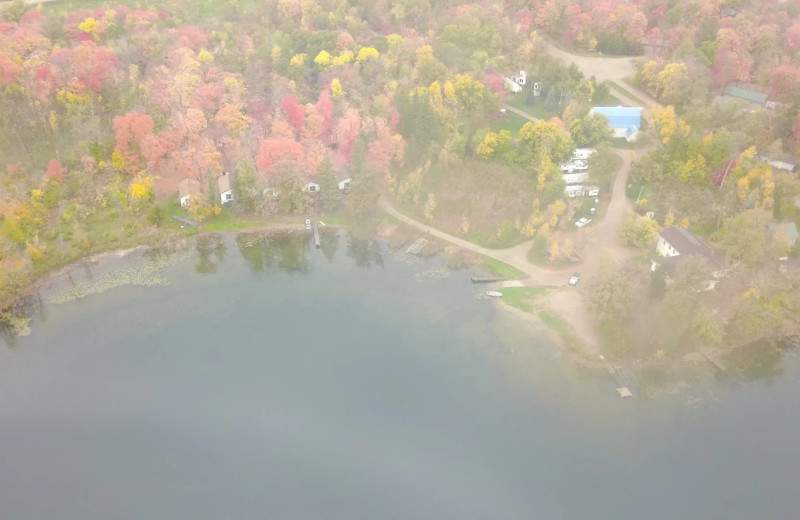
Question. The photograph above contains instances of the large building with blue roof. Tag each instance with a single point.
(624, 121)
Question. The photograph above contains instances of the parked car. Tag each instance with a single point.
(582, 222)
(592, 211)
(574, 279)
(308, 223)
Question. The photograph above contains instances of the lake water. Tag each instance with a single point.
(277, 381)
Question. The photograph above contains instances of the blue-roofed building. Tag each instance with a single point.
(624, 121)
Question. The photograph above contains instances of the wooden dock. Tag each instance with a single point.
(487, 279)
(714, 358)
(316, 236)
(620, 377)
(186, 221)
(416, 247)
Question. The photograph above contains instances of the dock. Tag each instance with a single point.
(316, 235)
(487, 279)
(186, 221)
(416, 247)
(620, 377)
(713, 357)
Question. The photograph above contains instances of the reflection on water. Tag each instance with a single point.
(241, 390)
(211, 253)
(280, 251)
(365, 253)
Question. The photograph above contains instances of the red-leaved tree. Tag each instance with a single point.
(55, 171)
(129, 130)
(294, 112)
(276, 150)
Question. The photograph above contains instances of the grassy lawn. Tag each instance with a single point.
(627, 93)
(537, 110)
(503, 269)
(609, 101)
(641, 191)
(476, 199)
(511, 122)
(520, 297)
(230, 221)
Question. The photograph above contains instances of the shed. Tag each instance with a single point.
(757, 98)
(188, 188)
(783, 162)
(224, 188)
(784, 232)
(625, 122)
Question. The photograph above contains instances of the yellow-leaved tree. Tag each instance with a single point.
(323, 59)
(365, 53)
(336, 88)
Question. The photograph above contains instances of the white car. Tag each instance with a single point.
(308, 223)
(574, 279)
(582, 222)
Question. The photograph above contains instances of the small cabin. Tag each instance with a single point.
(188, 188)
(224, 189)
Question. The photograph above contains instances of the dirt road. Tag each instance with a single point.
(617, 70)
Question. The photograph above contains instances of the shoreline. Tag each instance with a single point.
(579, 342)
(177, 240)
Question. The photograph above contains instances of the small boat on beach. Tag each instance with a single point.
(494, 294)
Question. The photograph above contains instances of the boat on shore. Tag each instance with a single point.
(494, 294)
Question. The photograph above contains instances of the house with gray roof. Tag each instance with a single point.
(677, 244)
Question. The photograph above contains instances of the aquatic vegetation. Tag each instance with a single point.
(136, 271)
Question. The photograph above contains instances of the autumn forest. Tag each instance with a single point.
(107, 109)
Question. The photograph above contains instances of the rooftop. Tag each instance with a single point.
(746, 94)
(224, 182)
(785, 230)
(621, 117)
(780, 157)
(686, 243)
(189, 186)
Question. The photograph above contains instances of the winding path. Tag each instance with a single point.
(603, 234)
(521, 113)
(602, 237)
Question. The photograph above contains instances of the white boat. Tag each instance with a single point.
(494, 294)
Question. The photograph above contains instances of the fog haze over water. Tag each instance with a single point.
(274, 380)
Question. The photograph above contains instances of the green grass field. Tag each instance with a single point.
(521, 297)
(629, 94)
(503, 269)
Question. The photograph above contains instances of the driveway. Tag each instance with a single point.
(617, 70)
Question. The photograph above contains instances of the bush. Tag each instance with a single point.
(638, 231)
(156, 216)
